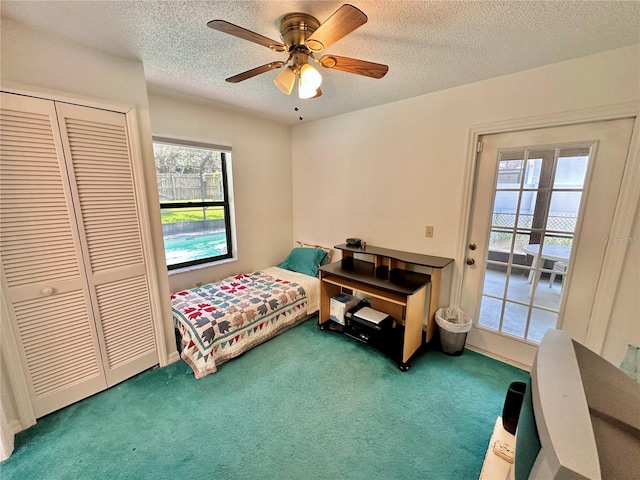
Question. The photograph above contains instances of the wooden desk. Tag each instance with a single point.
(393, 288)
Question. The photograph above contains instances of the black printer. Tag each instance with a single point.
(367, 325)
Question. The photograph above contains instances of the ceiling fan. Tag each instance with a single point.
(303, 36)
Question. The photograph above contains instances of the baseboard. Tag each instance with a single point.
(8, 436)
(173, 357)
(486, 353)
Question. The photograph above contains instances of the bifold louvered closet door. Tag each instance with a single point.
(73, 269)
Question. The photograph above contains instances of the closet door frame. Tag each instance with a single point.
(17, 375)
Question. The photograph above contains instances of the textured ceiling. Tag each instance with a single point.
(428, 45)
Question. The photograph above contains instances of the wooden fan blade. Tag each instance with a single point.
(254, 71)
(344, 21)
(351, 65)
(236, 31)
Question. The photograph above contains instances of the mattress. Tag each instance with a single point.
(219, 321)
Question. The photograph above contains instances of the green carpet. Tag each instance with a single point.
(307, 404)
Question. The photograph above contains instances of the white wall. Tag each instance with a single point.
(48, 64)
(261, 163)
(384, 173)
(625, 318)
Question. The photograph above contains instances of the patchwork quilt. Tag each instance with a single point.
(221, 320)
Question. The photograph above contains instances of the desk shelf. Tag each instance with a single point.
(392, 287)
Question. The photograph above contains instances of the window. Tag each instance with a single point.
(535, 212)
(193, 181)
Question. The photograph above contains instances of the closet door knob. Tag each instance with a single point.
(470, 261)
(47, 291)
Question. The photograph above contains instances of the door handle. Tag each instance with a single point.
(47, 291)
(470, 261)
(472, 246)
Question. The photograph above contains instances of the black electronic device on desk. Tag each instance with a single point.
(368, 325)
(354, 242)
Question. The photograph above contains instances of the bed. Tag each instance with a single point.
(219, 321)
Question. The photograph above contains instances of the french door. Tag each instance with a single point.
(544, 200)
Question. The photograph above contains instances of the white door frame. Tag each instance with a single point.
(626, 206)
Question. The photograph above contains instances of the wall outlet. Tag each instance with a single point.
(428, 231)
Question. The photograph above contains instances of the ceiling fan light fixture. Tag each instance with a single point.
(285, 80)
(310, 78)
(303, 36)
(306, 93)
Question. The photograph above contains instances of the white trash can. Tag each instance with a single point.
(453, 325)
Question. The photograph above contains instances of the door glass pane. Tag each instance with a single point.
(534, 217)
(541, 321)
(545, 296)
(563, 211)
(519, 288)
(532, 175)
(490, 312)
(504, 209)
(494, 280)
(532, 250)
(540, 214)
(509, 174)
(527, 209)
(571, 169)
(500, 241)
(522, 244)
(558, 245)
(515, 319)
